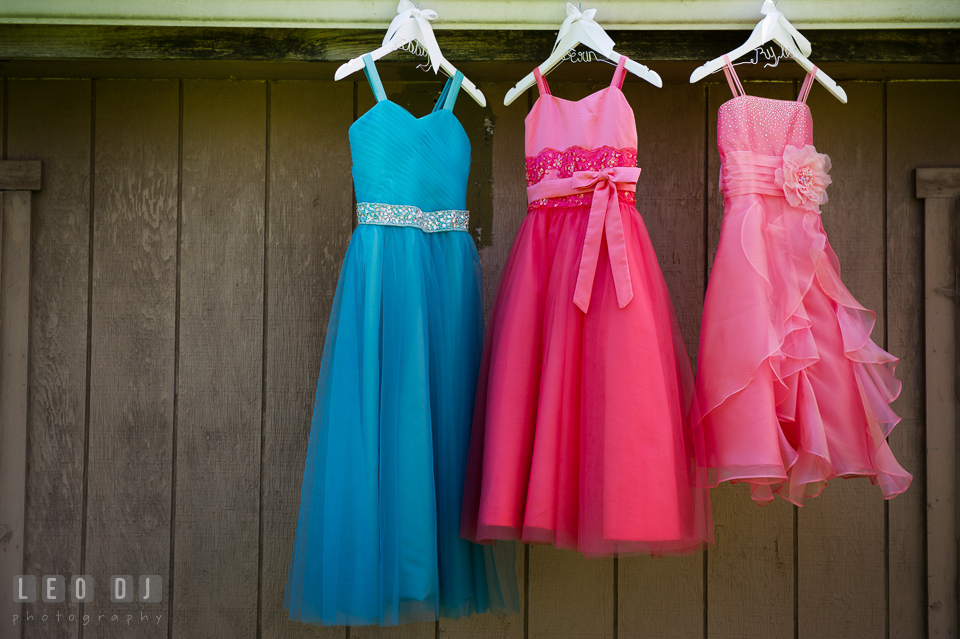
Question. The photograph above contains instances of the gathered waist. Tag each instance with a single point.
(799, 174)
(748, 172)
(407, 215)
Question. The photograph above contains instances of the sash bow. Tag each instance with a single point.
(605, 220)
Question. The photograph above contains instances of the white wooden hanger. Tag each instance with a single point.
(412, 25)
(777, 28)
(580, 28)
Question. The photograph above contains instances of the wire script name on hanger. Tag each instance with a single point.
(584, 56)
(769, 54)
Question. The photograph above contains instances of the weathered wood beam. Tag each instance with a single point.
(22, 41)
(940, 189)
(938, 183)
(20, 176)
(14, 342)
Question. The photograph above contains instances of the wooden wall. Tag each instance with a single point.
(186, 247)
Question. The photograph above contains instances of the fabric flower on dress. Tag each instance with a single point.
(803, 177)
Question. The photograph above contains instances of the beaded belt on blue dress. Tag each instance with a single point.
(403, 215)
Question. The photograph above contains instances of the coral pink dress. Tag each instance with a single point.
(792, 389)
(581, 434)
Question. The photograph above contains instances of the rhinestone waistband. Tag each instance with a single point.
(403, 215)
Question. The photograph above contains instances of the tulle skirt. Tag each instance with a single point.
(793, 391)
(582, 435)
(378, 538)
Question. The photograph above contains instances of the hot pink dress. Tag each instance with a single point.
(792, 389)
(581, 434)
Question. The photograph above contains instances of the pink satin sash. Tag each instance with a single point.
(605, 217)
(748, 172)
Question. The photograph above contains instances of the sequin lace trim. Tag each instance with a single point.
(562, 164)
(554, 164)
(403, 215)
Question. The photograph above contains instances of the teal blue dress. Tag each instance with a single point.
(378, 536)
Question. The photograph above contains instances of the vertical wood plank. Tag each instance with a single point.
(133, 299)
(310, 220)
(217, 512)
(14, 352)
(50, 120)
(922, 130)
(660, 597)
(509, 191)
(495, 232)
(670, 191)
(842, 590)
(416, 630)
(569, 596)
(940, 314)
(750, 572)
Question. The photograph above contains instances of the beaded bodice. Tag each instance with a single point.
(763, 126)
(754, 134)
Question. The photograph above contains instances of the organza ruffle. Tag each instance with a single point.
(582, 434)
(793, 391)
(378, 538)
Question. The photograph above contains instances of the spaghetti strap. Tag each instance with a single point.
(455, 83)
(732, 78)
(620, 73)
(442, 98)
(449, 94)
(807, 85)
(541, 82)
(370, 70)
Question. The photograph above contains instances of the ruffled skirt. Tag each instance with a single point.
(582, 432)
(793, 391)
(378, 538)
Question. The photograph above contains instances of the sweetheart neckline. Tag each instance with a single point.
(415, 118)
(586, 97)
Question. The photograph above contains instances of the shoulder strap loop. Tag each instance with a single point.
(454, 90)
(541, 82)
(449, 94)
(620, 73)
(732, 78)
(442, 98)
(370, 70)
(807, 85)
